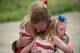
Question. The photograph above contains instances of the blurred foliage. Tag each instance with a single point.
(13, 10)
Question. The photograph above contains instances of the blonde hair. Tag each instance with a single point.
(53, 27)
(36, 10)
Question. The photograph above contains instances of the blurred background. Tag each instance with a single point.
(13, 11)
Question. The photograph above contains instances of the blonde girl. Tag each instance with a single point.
(58, 29)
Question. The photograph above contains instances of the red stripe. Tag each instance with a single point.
(23, 34)
(44, 46)
(19, 50)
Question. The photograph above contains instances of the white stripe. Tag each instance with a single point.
(43, 42)
(23, 30)
(44, 50)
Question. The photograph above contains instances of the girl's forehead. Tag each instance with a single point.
(62, 25)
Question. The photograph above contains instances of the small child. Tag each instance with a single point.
(64, 38)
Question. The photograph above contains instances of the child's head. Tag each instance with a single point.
(39, 15)
(39, 12)
(59, 25)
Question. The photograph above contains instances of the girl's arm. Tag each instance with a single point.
(23, 41)
(69, 41)
(63, 46)
(28, 48)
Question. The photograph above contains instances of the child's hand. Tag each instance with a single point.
(67, 35)
(24, 41)
(34, 39)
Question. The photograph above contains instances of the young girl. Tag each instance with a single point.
(45, 43)
(60, 28)
(60, 38)
(35, 22)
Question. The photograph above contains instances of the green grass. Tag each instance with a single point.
(13, 10)
(60, 6)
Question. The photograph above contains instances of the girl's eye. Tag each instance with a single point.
(61, 29)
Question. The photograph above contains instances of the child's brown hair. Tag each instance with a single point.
(37, 12)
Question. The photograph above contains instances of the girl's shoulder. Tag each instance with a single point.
(55, 39)
(23, 32)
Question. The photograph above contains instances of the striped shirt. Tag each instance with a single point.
(43, 46)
